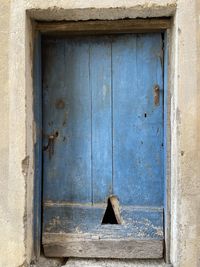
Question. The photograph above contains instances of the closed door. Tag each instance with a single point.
(103, 177)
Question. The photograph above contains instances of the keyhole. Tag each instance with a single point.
(112, 213)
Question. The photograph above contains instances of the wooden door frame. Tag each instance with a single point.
(96, 27)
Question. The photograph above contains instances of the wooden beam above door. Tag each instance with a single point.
(104, 27)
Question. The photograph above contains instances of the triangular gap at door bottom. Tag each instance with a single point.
(112, 215)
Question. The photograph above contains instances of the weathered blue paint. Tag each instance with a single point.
(100, 86)
(137, 121)
(98, 100)
(37, 103)
(167, 181)
(67, 110)
(86, 219)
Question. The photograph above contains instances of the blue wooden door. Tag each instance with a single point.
(103, 177)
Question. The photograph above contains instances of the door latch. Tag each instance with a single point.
(50, 145)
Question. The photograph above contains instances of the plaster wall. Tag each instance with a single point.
(17, 125)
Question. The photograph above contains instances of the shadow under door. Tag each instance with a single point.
(103, 176)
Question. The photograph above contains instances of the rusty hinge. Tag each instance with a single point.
(50, 145)
(156, 95)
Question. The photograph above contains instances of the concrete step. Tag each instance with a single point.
(77, 262)
(113, 263)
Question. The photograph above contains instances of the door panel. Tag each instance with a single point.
(103, 136)
(67, 111)
(137, 121)
(100, 85)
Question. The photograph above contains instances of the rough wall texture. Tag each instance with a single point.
(16, 135)
(12, 199)
(186, 141)
(4, 136)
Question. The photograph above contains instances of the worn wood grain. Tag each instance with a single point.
(98, 96)
(102, 27)
(116, 208)
(137, 122)
(61, 246)
(37, 79)
(167, 149)
(86, 220)
(67, 111)
(101, 143)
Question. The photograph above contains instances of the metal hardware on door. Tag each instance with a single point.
(156, 94)
(50, 144)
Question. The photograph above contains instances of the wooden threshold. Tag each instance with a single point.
(104, 27)
(77, 231)
(61, 245)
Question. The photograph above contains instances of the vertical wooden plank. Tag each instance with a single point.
(67, 111)
(37, 103)
(77, 129)
(167, 143)
(124, 69)
(100, 84)
(137, 121)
